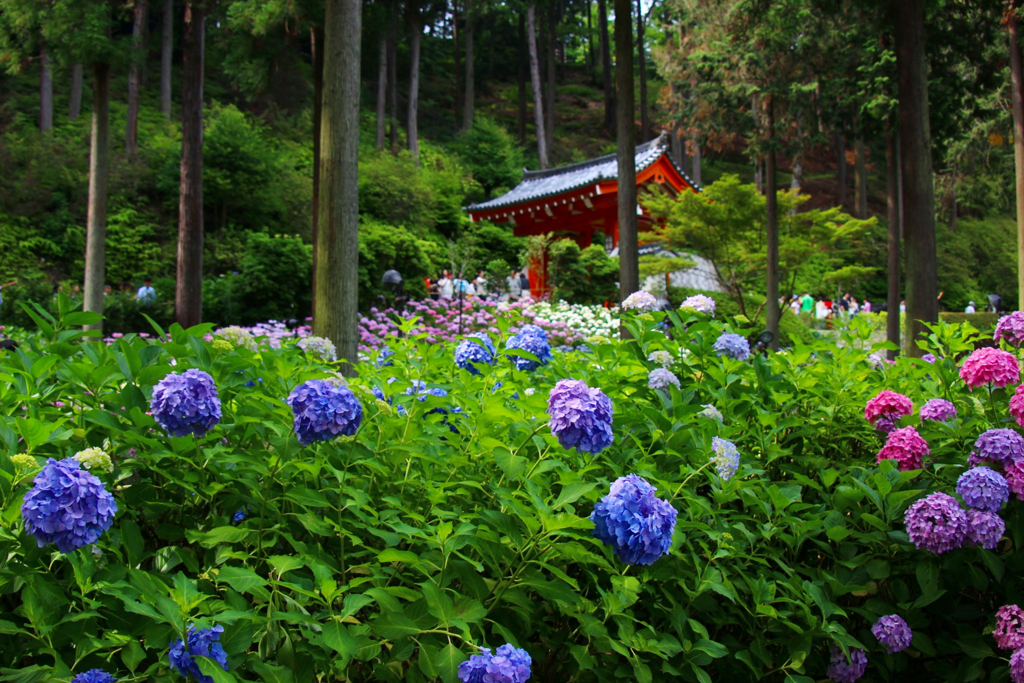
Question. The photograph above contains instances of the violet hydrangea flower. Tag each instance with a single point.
(726, 457)
(983, 488)
(885, 409)
(990, 366)
(324, 409)
(1000, 446)
(936, 523)
(509, 664)
(732, 345)
(984, 528)
(843, 669)
(938, 410)
(640, 301)
(67, 506)
(186, 403)
(94, 676)
(581, 416)
(1010, 328)
(1017, 667)
(660, 378)
(892, 633)
(906, 447)
(634, 521)
(699, 303)
(476, 349)
(1009, 631)
(203, 642)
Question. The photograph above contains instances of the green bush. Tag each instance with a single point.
(983, 321)
(491, 155)
(383, 247)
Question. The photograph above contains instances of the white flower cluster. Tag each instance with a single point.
(586, 321)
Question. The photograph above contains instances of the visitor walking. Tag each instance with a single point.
(515, 289)
(970, 308)
(524, 285)
(481, 284)
(446, 286)
(146, 293)
(806, 303)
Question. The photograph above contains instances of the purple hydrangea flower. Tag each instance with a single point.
(726, 457)
(634, 522)
(67, 506)
(581, 416)
(847, 670)
(936, 523)
(985, 528)
(203, 642)
(1009, 631)
(929, 358)
(509, 664)
(1011, 328)
(640, 301)
(530, 339)
(324, 409)
(1000, 446)
(660, 378)
(938, 410)
(321, 348)
(733, 345)
(699, 303)
(93, 676)
(186, 403)
(1017, 667)
(983, 488)
(477, 349)
(892, 633)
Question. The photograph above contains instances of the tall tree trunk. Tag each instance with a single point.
(918, 185)
(337, 314)
(393, 87)
(590, 43)
(1017, 84)
(696, 175)
(641, 55)
(538, 94)
(772, 232)
(317, 40)
(75, 99)
(629, 263)
(188, 297)
(96, 219)
(131, 133)
(606, 66)
(549, 93)
(892, 214)
(415, 38)
(470, 96)
(382, 93)
(166, 55)
(457, 73)
(840, 147)
(45, 93)
(860, 178)
(521, 77)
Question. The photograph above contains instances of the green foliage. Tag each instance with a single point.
(383, 247)
(491, 155)
(978, 259)
(586, 276)
(489, 242)
(132, 251)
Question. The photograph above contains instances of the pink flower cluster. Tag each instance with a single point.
(885, 410)
(906, 447)
(1017, 405)
(990, 365)
(1011, 328)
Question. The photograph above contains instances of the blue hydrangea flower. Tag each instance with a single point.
(421, 390)
(634, 522)
(581, 417)
(203, 642)
(733, 345)
(892, 633)
(1001, 446)
(847, 670)
(321, 348)
(508, 665)
(93, 676)
(531, 339)
(324, 409)
(985, 528)
(186, 403)
(470, 352)
(382, 357)
(660, 378)
(67, 506)
(983, 488)
(726, 457)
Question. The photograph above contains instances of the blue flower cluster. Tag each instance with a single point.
(983, 488)
(732, 345)
(581, 417)
(892, 633)
(477, 348)
(186, 403)
(1002, 446)
(531, 339)
(726, 457)
(67, 506)
(382, 357)
(93, 676)
(324, 409)
(421, 390)
(634, 522)
(508, 665)
(845, 669)
(203, 642)
(984, 528)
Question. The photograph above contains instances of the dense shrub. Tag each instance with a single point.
(383, 247)
(492, 156)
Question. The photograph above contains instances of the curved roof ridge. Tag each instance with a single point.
(604, 158)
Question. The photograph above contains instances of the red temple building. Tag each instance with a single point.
(581, 200)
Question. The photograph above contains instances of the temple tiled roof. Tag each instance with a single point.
(554, 181)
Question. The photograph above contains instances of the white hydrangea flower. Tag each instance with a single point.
(95, 459)
(661, 357)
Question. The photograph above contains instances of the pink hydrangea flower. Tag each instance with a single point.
(1011, 328)
(906, 447)
(989, 365)
(884, 410)
(1014, 473)
(1009, 631)
(1017, 405)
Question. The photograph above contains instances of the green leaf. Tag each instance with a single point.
(242, 579)
(571, 493)
(395, 555)
(394, 625)
(307, 497)
(447, 662)
(214, 671)
(218, 536)
(131, 654)
(271, 673)
(339, 639)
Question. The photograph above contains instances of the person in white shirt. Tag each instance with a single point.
(970, 308)
(146, 293)
(481, 284)
(446, 285)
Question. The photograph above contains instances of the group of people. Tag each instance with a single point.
(825, 311)
(448, 286)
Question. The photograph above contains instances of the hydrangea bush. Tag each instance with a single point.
(445, 526)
